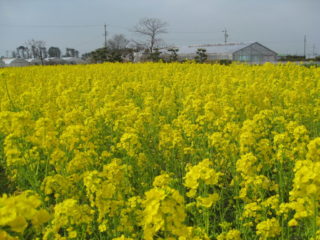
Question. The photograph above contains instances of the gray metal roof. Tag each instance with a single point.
(9, 61)
(228, 48)
(73, 59)
(34, 60)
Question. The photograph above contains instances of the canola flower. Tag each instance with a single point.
(19, 212)
(160, 151)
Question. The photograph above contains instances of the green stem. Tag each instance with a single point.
(8, 94)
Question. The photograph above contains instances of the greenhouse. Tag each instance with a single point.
(252, 52)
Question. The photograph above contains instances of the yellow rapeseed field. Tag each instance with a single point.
(160, 151)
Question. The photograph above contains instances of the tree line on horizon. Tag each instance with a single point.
(118, 48)
(150, 47)
(37, 49)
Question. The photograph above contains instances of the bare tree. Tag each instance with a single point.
(118, 41)
(71, 52)
(151, 28)
(38, 49)
(28, 53)
(21, 52)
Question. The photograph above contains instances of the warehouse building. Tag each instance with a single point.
(252, 52)
(73, 60)
(34, 61)
(2, 64)
(15, 62)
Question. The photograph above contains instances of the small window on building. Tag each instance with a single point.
(244, 58)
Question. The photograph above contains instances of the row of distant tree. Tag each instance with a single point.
(296, 58)
(37, 49)
(119, 48)
(151, 46)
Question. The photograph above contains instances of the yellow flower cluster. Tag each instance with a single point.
(268, 229)
(160, 151)
(68, 215)
(232, 234)
(19, 212)
(202, 171)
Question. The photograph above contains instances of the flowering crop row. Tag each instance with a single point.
(160, 151)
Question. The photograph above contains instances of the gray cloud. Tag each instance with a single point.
(279, 25)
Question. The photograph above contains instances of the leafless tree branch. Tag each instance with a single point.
(151, 28)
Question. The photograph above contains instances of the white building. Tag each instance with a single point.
(252, 52)
(15, 62)
(34, 61)
(2, 64)
(73, 60)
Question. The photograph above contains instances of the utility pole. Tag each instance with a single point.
(314, 50)
(225, 35)
(305, 46)
(105, 36)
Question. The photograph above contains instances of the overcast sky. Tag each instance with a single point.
(278, 24)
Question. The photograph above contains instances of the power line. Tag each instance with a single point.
(90, 26)
(59, 26)
(192, 32)
(50, 26)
